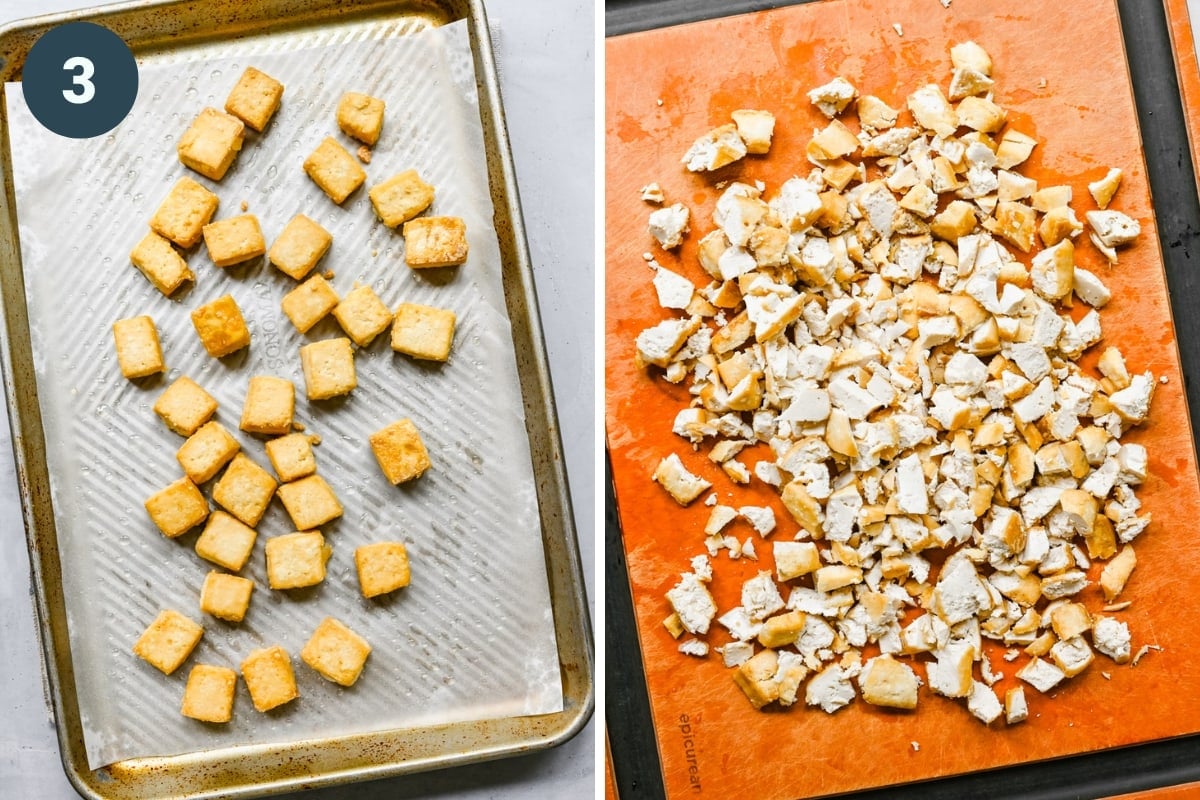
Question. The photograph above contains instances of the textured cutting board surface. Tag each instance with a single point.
(1061, 73)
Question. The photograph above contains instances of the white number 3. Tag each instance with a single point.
(84, 89)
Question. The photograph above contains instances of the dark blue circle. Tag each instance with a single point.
(47, 75)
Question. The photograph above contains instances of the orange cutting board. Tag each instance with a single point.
(1061, 73)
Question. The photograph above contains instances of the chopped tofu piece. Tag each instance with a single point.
(300, 245)
(309, 303)
(168, 641)
(832, 98)
(362, 315)
(1116, 573)
(694, 604)
(177, 508)
(360, 116)
(1102, 191)
(968, 55)
(296, 560)
(226, 541)
(292, 456)
(1015, 708)
(337, 653)
(435, 242)
(245, 490)
(1113, 228)
(1041, 675)
(254, 98)
(888, 683)
(211, 143)
(184, 406)
(717, 148)
(270, 403)
(160, 263)
(400, 451)
(182, 216)
(221, 327)
(682, 485)
(328, 368)
(667, 225)
(382, 568)
(1111, 638)
(269, 678)
(756, 129)
(310, 502)
(423, 332)
(226, 596)
(139, 352)
(332, 168)
(208, 696)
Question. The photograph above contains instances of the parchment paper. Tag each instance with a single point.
(472, 638)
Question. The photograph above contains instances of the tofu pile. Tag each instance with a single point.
(894, 333)
(241, 488)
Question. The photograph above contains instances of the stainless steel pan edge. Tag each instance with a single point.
(261, 770)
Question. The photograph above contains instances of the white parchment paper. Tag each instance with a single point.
(472, 638)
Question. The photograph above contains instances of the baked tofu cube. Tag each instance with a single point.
(234, 240)
(221, 327)
(269, 678)
(333, 169)
(296, 560)
(226, 541)
(336, 652)
(168, 641)
(362, 315)
(400, 451)
(226, 596)
(382, 568)
(401, 197)
(360, 116)
(254, 98)
(308, 303)
(206, 451)
(211, 143)
(435, 242)
(423, 331)
(209, 693)
(300, 245)
(328, 368)
(310, 502)
(184, 406)
(270, 404)
(139, 352)
(177, 508)
(245, 490)
(160, 263)
(292, 456)
(183, 214)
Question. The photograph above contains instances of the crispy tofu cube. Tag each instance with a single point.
(269, 678)
(292, 456)
(299, 246)
(226, 596)
(183, 214)
(435, 242)
(139, 353)
(889, 683)
(400, 451)
(333, 169)
(423, 331)
(756, 129)
(270, 404)
(756, 678)
(206, 451)
(226, 541)
(177, 508)
(308, 303)
(184, 406)
(211, 143)
(336, 652)
(160, 263)
(382, 568)
(401, 197)
(362, 315)
(1102, 191)
(1116, 573)
(245, 490)
(168, 641)
(360, 116)
(234, 240)
(795, 559)
(254, 98)
(221, 327)
(956, 221)
(328, 368)
(296, 560)
(782, 629)
(208, 696)
(310, 502)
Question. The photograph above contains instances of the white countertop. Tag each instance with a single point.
(546, 74)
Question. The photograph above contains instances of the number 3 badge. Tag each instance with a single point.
(80, 80)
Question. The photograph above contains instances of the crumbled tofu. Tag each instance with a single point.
(755, 129)
(653, 193)
(832, 98)
(693, 603)
(668, 225)
(717, 148)
(1102, 191)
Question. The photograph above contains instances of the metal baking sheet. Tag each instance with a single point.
(739, 79)
(451, 743)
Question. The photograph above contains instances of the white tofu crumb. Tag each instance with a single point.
(653, 193)
(830, 689)
(736, 653)
(761, 518)
(694, 647)
(898, 29)
(668, 225)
